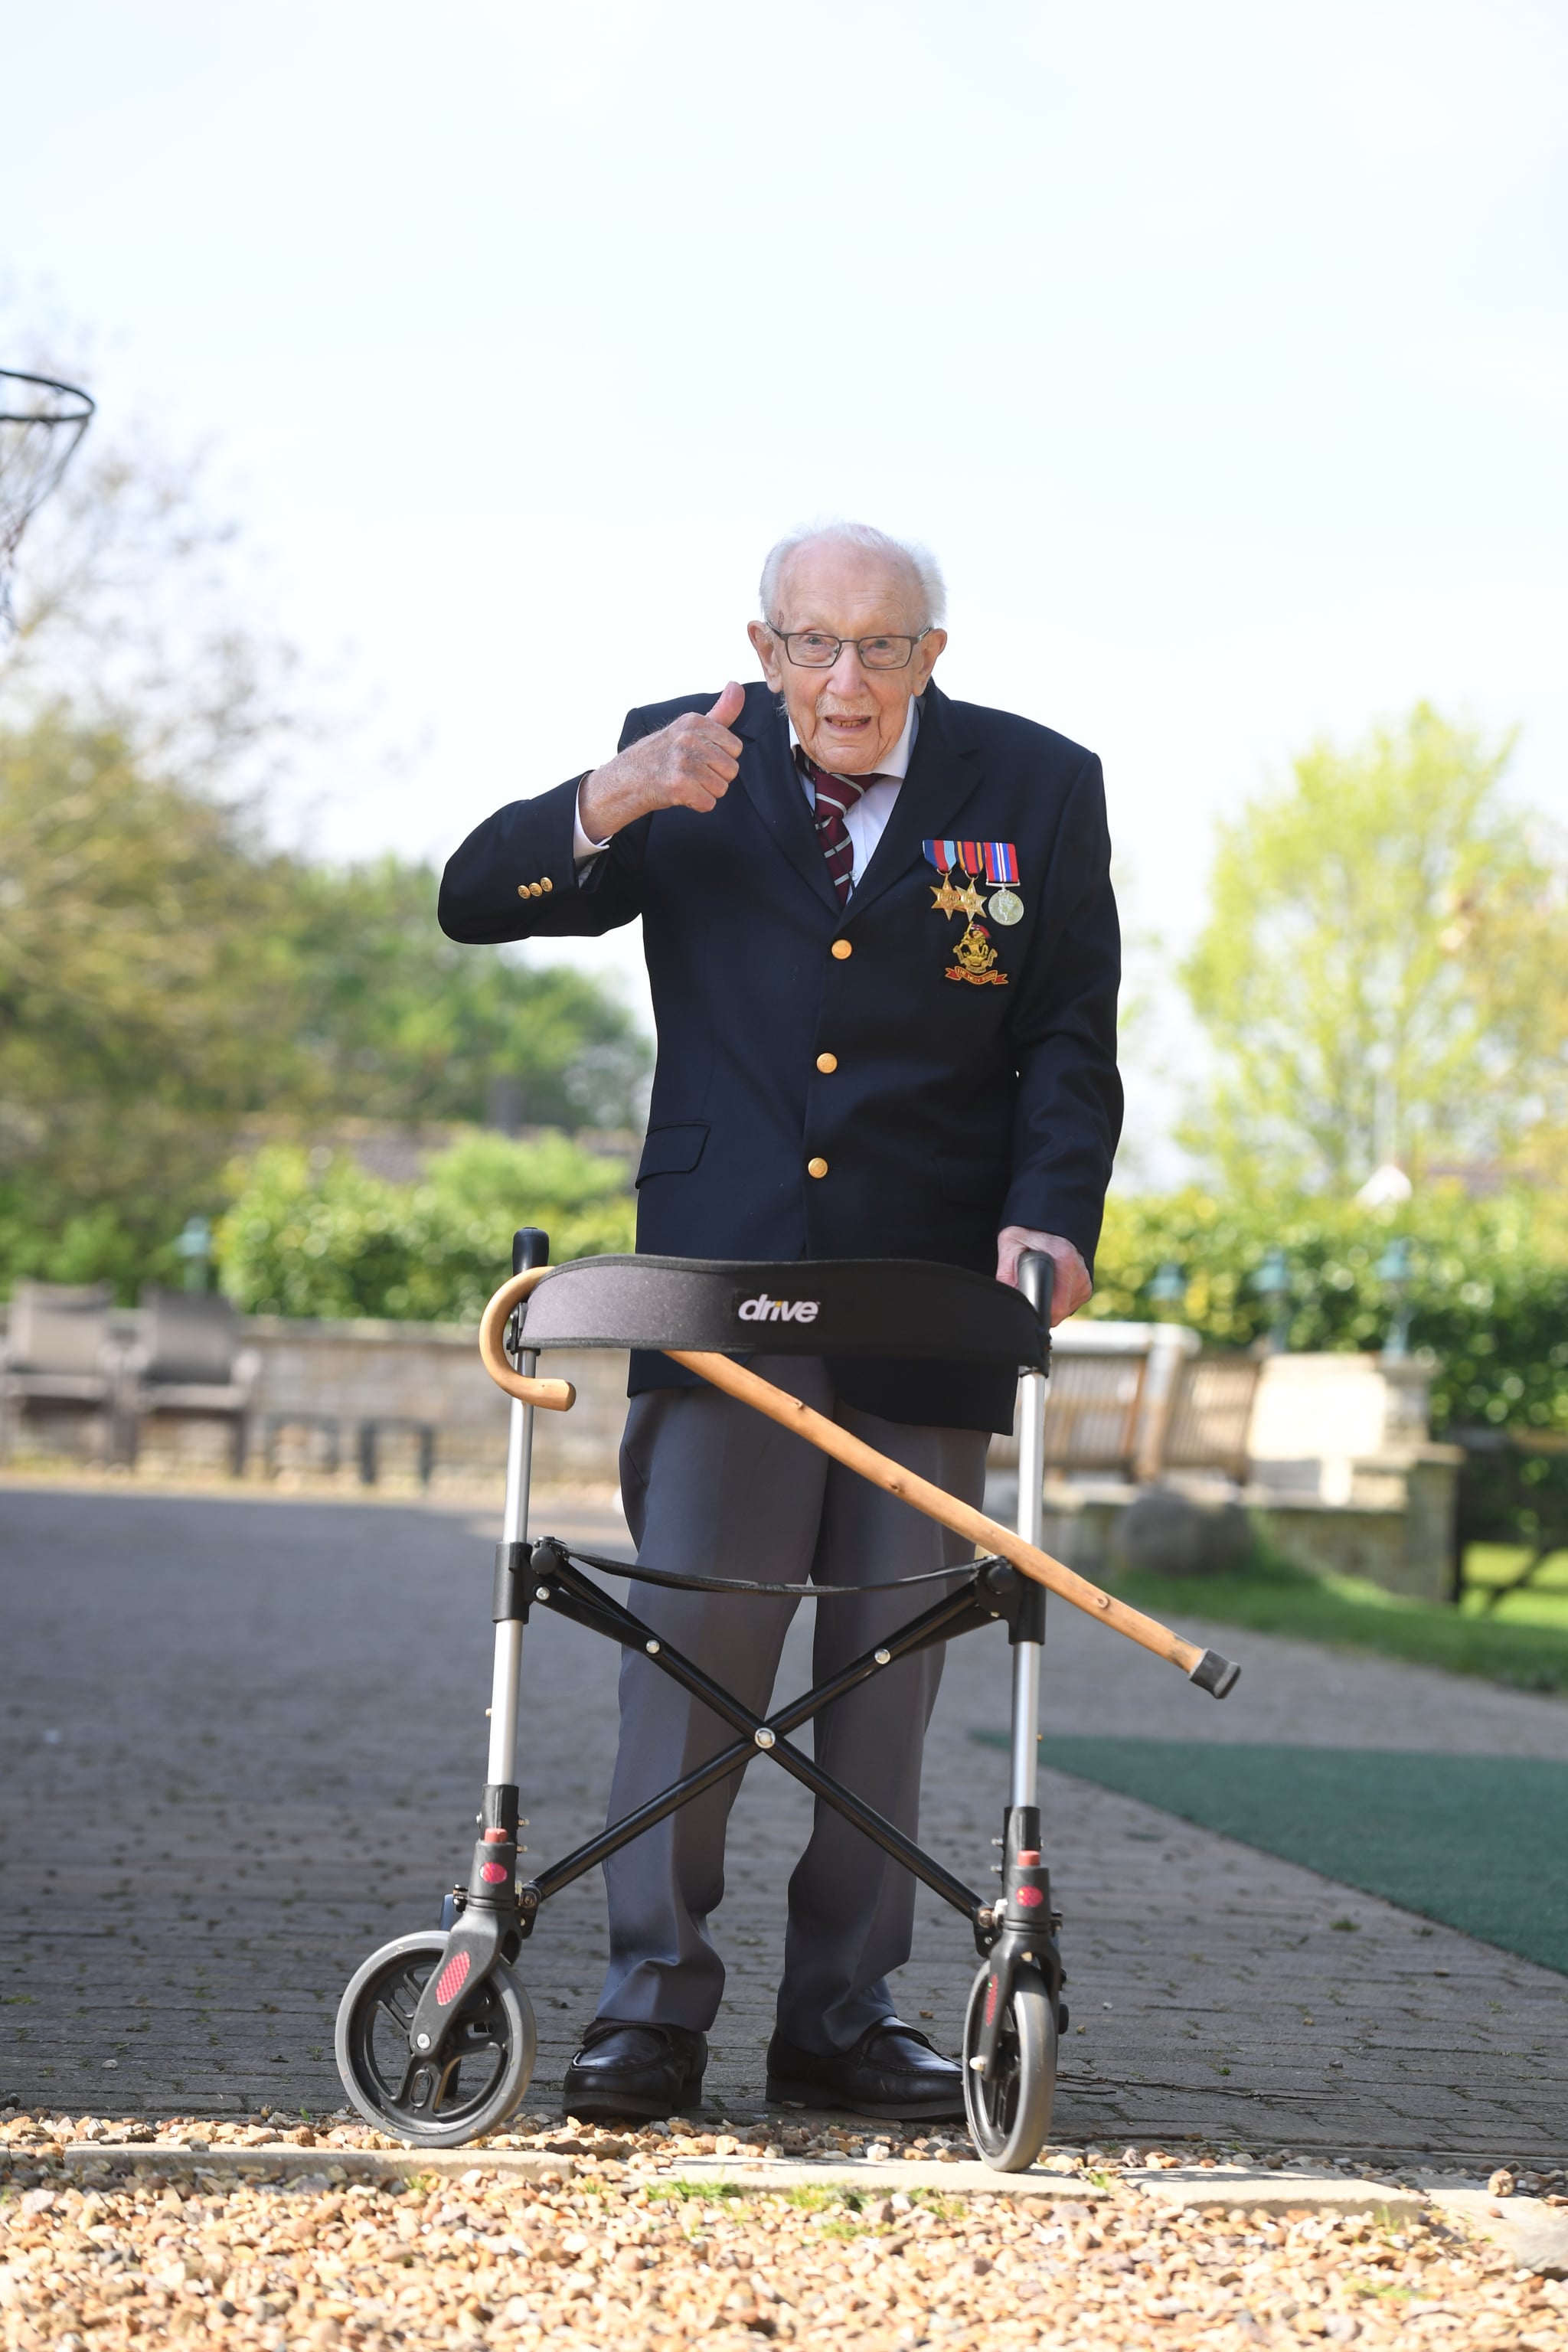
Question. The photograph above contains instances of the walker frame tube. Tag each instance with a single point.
(507, 1671)
(1037, 1280)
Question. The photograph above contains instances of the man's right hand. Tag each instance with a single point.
(691, 764)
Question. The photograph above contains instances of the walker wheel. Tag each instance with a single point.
(1010, 2116)
(485, 2065)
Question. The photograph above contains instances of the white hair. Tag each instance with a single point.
(918, 563)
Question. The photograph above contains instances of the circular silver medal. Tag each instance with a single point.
(1006, 906)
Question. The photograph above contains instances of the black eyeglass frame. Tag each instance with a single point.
(883, 637)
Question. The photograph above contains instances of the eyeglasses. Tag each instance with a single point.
(814, 649)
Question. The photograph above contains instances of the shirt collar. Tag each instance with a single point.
(896, 766)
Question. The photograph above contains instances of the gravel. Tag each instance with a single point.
(611, 2254)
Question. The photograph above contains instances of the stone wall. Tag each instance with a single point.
(1343, 1477)
(353, 1373)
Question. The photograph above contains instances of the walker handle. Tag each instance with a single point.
(1037, 1282)
(556, 1396)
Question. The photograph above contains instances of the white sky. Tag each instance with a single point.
(1219, 351)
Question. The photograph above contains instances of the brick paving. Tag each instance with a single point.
(241, 1742)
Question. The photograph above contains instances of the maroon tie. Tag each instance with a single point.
(836, 796)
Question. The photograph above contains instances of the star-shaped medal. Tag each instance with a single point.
(946, 899)
(969, 901)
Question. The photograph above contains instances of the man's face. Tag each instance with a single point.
(849, 718)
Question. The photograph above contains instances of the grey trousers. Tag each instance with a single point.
(714, 1489)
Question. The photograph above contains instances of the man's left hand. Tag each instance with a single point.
(1072, 1284)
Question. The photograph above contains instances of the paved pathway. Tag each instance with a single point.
(241, 1742)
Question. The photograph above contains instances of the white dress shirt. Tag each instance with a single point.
(865, 824)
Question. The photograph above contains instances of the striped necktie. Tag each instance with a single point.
(836, 796)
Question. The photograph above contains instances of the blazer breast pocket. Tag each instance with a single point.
(672, 1151)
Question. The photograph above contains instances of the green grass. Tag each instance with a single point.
(1476, 1841)
(1523, 1644)
(1544, 1601)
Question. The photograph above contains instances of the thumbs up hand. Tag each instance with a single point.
(691, 764)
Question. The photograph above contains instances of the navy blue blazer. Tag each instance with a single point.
(952, 1106)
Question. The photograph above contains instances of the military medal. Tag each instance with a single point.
(976, 960)
(951, 858)
(1004, 906)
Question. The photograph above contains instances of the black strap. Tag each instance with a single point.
(790, 1591)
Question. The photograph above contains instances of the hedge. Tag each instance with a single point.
(1488, 1294)
(313, 1233)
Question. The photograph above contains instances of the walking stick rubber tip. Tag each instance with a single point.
(1216, 1675)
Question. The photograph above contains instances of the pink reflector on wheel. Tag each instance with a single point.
(991, 1991)
(453, 1978)
(492, 1872)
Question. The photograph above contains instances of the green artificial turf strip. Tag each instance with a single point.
(1276, 1598)
(1477, 1842)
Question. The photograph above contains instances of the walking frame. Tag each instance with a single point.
(436, 2037)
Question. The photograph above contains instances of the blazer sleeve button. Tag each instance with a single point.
(523, 890)
(841, 947)
(816, 1167)
(826, 1064)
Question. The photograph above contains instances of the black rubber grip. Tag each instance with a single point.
(529, 1247)
(1216, 1675)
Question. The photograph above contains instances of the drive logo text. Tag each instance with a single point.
(778, 1310)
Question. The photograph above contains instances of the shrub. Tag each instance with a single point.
(312, 1234)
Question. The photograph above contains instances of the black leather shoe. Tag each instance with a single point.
(647, 2072)
(891, 2072)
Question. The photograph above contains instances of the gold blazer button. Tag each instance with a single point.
(816, 1167)
(841, 947)
(826, 1063)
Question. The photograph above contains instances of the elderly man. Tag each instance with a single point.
(884, 956)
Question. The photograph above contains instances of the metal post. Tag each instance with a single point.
(1034, 1275)
(502, 1767)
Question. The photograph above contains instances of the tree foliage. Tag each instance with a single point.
(402, 1023)
(1385, 970)
(166, 977)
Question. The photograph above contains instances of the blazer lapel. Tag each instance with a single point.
(773, 784)
(943, 774)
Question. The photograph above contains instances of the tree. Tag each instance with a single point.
(166, 977)
(142, 961)
(401, 1023)
(1385, 970)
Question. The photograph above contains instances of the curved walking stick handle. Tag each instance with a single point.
(556, 1396)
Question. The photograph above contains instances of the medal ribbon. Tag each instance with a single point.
(997, 859)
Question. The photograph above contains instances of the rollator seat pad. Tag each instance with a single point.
(805, 1306)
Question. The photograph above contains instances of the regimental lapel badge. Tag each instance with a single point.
(976, 960)
(997, 860)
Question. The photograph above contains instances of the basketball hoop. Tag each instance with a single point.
(40, 423)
